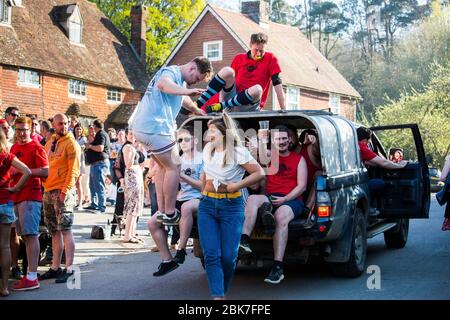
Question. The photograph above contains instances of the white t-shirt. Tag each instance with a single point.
(111, 192)
(230, 172)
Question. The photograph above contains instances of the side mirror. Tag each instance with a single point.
(396, 155)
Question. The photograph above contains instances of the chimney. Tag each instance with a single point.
(258, 11)
(138, 17)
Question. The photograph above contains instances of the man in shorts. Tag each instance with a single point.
(245, 85)
(28, 201)
(282, 201)
(60, 197)
(153, 124)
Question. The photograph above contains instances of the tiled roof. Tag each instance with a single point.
(37, 41)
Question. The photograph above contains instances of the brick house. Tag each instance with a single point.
(309, 79)
(64, 57)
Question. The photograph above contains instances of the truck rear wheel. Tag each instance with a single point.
(354, 267)
(396, 238)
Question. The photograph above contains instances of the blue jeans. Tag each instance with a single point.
(97, 185)
(376, 188)
(220, 224)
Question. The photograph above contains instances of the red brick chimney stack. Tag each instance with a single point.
(138, 17)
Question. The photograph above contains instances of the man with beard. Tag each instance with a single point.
(59, 197)
(282, 201)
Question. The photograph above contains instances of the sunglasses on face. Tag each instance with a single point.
(185, 139)
(15, 115)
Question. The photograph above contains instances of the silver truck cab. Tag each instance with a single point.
(342, 220)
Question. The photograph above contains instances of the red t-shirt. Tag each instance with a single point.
(6, 160)
(285, 179)
(34, 156)
(311, 167)
(366, 153)
(262, 72)
(36, 137)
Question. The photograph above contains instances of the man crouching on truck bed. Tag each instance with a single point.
(286, 181)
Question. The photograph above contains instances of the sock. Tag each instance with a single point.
(214, 86)
(245, 238)
(167, 261)
(32, 276)
(69, 269)
(228, 89)
(241, 99)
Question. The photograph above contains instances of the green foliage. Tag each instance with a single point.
(429, 109)
(167, 21)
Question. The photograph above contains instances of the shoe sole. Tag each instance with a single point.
(26, 289)
(168, 271)
(274, 282)
(244, 251)
(269, 223)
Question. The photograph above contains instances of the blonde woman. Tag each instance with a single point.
(221, 210)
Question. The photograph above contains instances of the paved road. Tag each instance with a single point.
(418, 271)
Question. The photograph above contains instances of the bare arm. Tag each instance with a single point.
(197, 184)
(40, 172)
(98, 148)
(189, 105)
(128, 155)
(256, 174)
(386, 164)
(446, 169)
(26, 173)
(280, 96)
(166, 85)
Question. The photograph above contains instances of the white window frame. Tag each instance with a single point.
(27, 81)
(111, 92)
(75, 95)
(8, 12)
(206, 50)
(289, 96)
(334, 98)
(72, 34)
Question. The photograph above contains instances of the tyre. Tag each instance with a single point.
(354, 267)
(396, 238)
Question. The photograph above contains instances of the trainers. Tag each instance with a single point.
(160, 216)
(91, 208)
(63, 276)
(24, 284)
(216, 107)
(446, 225)
(165, 267)
(268, 221)
(244, 247)
(275, 276)
(15, 273)
(172, 220)
(180, 256)
(50, 274)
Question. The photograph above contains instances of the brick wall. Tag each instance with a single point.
(53, 96)
(348, 108)
(311, 100)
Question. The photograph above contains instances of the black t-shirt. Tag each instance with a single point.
(101, 139)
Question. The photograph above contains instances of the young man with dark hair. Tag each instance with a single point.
(97, 155)
(11, 114)
(153, 124)
(245, 85)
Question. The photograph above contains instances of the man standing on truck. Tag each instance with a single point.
(245, 85)
(376, 186)
(286, 181)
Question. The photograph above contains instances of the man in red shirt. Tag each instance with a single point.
(286, 181)
(28, 201)
(245, 85)
(370, 158)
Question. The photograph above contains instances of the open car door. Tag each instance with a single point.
(407, 191)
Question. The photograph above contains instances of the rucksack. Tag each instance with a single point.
(97, 232)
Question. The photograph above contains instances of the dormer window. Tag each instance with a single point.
(69, 17)
(5, 12)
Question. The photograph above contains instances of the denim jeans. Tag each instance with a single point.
(220, 224)
(97, 186)
(376, 187)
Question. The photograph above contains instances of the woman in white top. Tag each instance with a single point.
(221, 210)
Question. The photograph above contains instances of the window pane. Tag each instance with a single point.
(75, 32)
(4, 11)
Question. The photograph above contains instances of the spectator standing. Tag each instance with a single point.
(97, 155)
(82, 181)
(28, 201)
(7, 216)
(11, 114)
(59, 197)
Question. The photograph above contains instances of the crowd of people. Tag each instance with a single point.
(51, 168)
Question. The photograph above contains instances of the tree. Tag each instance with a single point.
(167, 21)
(429, 109)
(329, 23)
(281, 12)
